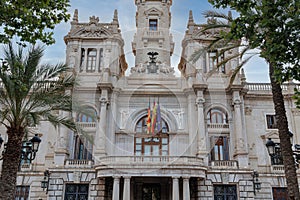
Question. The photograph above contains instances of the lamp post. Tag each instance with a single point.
(29, 148)
(275, 152)
(256, 184)
(45, 182)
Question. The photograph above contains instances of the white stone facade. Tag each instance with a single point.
(199, 108)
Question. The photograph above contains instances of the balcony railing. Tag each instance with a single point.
(75, 163)
(25, 167)
(224, 164)
(154, 161)
(86, 124)
(277, 168)
(217, 125)
(264, 87)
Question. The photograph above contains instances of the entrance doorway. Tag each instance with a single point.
(152, 188)
(151, 192)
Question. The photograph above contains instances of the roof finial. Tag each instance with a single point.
(191, 18)
(75, 16)
(115, 19)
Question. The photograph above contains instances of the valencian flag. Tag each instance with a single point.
(153, 124)
(158, 115)
(149, 119)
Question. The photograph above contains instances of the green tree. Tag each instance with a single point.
(30, 93)
(273, 27)
(31, 20)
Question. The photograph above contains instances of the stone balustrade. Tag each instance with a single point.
(224, 164)
(277, 169)
(217, 126)
(266, 86)
(153, 34)
(86, 124)
(152, 160)
(76, 163)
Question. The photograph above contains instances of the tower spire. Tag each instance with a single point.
(191, 18)
(75, 16)
(115, 18)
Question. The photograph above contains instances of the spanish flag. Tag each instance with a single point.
(153, 124)
(149, 119)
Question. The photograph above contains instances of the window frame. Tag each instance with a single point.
(221, 151)
(271, 122)
(218, 113)
(213, 58)
(225, 193)
(91, 60)
(153, 26)
(24, 193)
(77, 188)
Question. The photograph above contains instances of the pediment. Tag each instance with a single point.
(153, 11)
(92, 31)
(274, 135)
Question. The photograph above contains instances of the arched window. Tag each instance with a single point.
(151, 144)
(87, 118)
(217, 116)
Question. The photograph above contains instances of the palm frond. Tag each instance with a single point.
(216, 14)
(237, 69)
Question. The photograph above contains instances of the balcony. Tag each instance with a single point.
(224, 164)
(84, 125)
(150, 162)
(277, 169)
(74, 163)
(219, 127)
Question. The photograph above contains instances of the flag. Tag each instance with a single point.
(149, 119)
(159, 126)
(153, 124)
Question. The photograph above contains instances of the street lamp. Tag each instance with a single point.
(256, 184)
(29, 148)
(45, 182)
(275, 152)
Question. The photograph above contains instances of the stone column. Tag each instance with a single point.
(116, 188)
(175, 188)
(101, 128)
(241, 153)
(192, 123)
(126, 191)
(201, 130)
(186, 188)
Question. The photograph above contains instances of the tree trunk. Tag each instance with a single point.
(285, 143)
(10, 165)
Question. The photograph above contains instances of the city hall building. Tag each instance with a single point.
(158, 136)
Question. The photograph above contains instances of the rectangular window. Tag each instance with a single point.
(215, 58)
(91, 62)
(219, 148)
(83, 148)
(76, 192)
(22, 192)
(225, 192)
(271, 122)
(277, 159)
(280, 193)
(153, 24)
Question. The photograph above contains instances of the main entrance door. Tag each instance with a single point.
(152, 188)
(151, 192)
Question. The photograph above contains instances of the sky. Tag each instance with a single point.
(256, 70)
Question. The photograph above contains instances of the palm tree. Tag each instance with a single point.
(30, 92)
(226, 41)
